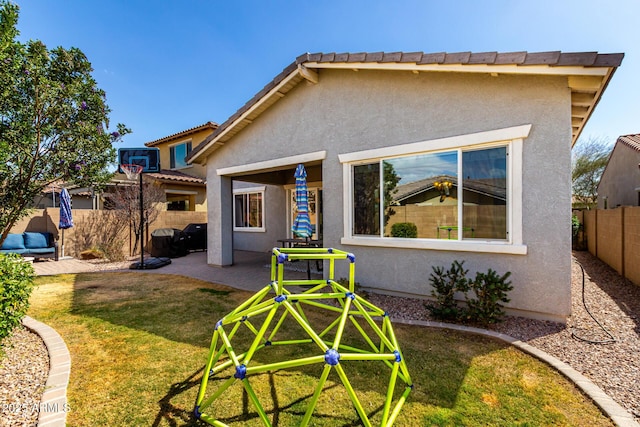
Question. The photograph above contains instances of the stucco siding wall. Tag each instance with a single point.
(350, 111)
(620, 178)
(275, 227)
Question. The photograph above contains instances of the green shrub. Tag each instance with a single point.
(404, 229)
(575, 225)
(444, 285)
(491, 290)
(486, 307)
(16, 284)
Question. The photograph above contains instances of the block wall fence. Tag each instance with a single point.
(48, 219)
(613, 236)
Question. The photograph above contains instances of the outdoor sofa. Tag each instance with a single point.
(31, 244)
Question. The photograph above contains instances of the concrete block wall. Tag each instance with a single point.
(609, 238)
(613, 236)
(632, 244)
(48, 220)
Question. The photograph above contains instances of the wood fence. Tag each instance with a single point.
(613, 236)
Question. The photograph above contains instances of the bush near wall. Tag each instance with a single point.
(16, 284)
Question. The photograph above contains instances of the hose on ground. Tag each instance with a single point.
(611, 338)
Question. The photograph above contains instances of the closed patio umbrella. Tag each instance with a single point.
(66, 219)
(302, 225)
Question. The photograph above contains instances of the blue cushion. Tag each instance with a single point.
(14, 251)
(36, 251)
(13, 241)
(35, 240)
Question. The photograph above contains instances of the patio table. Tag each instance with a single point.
(296, 243)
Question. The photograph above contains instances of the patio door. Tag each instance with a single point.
(314, 195)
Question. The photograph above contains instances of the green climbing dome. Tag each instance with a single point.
(350, 330)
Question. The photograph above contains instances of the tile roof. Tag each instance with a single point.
(589, 74)
(208, 125)
(175, 176)
(552, 58)
(632, 141)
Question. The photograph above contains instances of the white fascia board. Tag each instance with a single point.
(249, 189)
(465, 68)
(272, 164)
(244, 116)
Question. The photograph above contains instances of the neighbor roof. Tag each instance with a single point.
(167, 175)
(208, 125)
(588, 72)
(632, 141)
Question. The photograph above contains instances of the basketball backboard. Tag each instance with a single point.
(148, 158)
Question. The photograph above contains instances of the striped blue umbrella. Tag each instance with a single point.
(302, 225)
(66, 220)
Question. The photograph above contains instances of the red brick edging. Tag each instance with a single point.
(53, 405)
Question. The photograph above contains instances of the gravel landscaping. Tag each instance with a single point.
(613, 364)
(23, 373)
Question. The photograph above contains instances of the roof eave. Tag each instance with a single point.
(182, 134)
(591, 74)
(270, 94)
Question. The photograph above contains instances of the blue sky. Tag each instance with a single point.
(171, 65)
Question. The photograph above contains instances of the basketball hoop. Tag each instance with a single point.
(132, 171)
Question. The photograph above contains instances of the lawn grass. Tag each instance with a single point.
(139, 342)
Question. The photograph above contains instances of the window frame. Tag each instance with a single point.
(512, 138)
(172, 154)
(248, 192)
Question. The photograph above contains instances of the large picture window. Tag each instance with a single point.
(178, 153)
(455, 193)
(424, 191)
(248, 210)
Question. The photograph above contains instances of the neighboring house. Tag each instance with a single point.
(620, 181)
(184, 184)
(503, 123)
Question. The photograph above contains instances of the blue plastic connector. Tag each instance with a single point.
(280, 298)
(332, 357)
(398, 357)
(241, 372)
(282, 258)
(267, 343)
(218, 324)
(351, 257)
(196, 412)
(350, 295)
(244, 318)
(330, 250)
(386, 314)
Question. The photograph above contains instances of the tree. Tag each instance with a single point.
(53, 121)
(125, 201)
(589, 158)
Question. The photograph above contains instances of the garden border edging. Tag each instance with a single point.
(53, 404)
(620, 416)
(55, 393)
